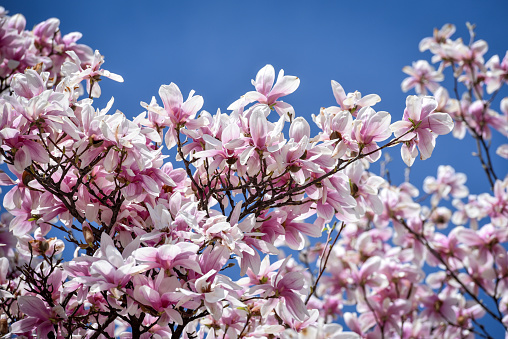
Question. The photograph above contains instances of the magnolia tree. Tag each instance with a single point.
(196, 251)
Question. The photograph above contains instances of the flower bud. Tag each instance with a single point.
(88, 234)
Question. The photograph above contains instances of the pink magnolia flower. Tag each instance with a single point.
(502, 151)
(226, 150)
(497, 73)
(440, 36)
(482, 118)
(39, 317)
(268, 94)
(180, 113)
(91, 73)
(422, 76)
(369, 128)
(448, 183)
(160, 294)
(419, 127)
(486, 241)
(364, 189)
(439, 307)
(496, 207)
(287, 295)
(352, 102)
(169, 256)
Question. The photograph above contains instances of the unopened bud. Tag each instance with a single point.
(27, 177)
(4, 327)
(43, 246)
(88, 234)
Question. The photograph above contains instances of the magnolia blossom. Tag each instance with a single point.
(422, 76)
(419, 128)
(198, 250)
(267, 93)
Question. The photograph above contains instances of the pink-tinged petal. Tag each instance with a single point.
(414, 107)
(374, 182)
(286, 84)
(44, 329)
(502, 151)
(468, 237)
(212, 141)
(339, 150)
(429, 104)
(110, 161)
(338, 92)
(171, 97)
(24, 325)
(33, 306)
(174, 315)
(146, 254)
(28, 85)
(480, 47)
(234, 144)
(150, 185)
(189, 264)
(9, 133)
(216, 295)
(112, 76)
(193, 105)
(151, 296)
(298, 176)
(231, 132)
(201, 283)
(5, 180)
(296, 306)
(439, 123)
(311, 230)
(114, 256)
(284, 109)
(299, 128)
(376, 204)
(369, 267)
(207, 154)
(325, 211)
(292, 280)
(103, 268)
(409, 154)
(215, 310)
(351, 321)
(251, 97)
(264, 79)
(268, 306)
(369, 100)
(259, 126)
(22, 160)
(407, 84)
(448, 313)
(249, 261)
(294, 239)
(426, 143)
(246, 154)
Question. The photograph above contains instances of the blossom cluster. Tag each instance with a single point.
(155, 245)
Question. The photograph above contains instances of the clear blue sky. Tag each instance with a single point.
(216, 47)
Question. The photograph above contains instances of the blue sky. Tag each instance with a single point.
(216, 47)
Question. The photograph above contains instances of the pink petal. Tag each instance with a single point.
(285, 85)
(171, 97)
(426, 143)
(265, 79)
(33, 307)
(259, 126)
